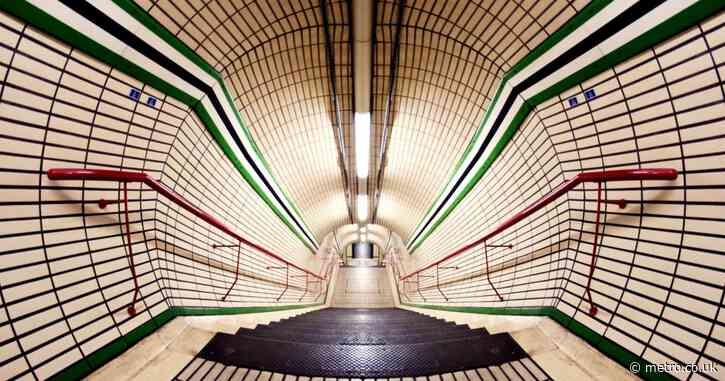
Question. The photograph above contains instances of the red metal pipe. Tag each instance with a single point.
(588, 290)
(438, 284)
(140, 177)
(488, 273)
(236, 274)
(586, 177)
(286, 283)
(131, 308)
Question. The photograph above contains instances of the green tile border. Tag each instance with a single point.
(674, 25)
(570, 26)
(614, 351)
(513, 311)
(87, 365)
(41, 20)
(108, 352)
(138, 13)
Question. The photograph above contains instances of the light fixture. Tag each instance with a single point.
(362, 143)
(362, 207)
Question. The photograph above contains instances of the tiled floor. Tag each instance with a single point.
(560, 354)
(563, 355)
(201, 369)
(161, 355)
(363, 287)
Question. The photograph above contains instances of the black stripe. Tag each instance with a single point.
(111, 26)
(615, 25)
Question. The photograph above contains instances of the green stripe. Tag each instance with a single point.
(218, 311)
(665, 30)
(507, 136)
(138, 13)
(515, 311)
(206, 119)
(41, 20)
(52, 26)
(108, 352)
(569, 27)
(616, 352)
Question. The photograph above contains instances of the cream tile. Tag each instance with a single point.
(191, 340)
(165, 366)
(135, 359)
(559, 366)
(533, 340)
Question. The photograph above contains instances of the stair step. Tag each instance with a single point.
(374, 338)
(344, 331)
(334, 360)
(364, 326)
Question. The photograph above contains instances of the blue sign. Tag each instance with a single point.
(573, 101)
(590, 94)
(151, 101)
(134, 94)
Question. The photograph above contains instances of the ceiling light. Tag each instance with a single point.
(362, 143)
(362, 207)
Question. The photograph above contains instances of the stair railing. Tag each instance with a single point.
(586, 177)
(125, 177)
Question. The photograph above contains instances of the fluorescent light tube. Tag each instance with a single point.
(362, 143)
(362, 207)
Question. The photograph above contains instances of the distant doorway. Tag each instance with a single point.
(362, 250)
(362, 287)
(362, 254)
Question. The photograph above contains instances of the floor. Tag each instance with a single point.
(201, 369)
(563, 355)
(165, 353)
(363, 287)
(354, 343)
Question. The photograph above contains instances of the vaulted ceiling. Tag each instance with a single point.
(288, 68)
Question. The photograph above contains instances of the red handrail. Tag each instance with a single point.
(585, 177)
(140, 177)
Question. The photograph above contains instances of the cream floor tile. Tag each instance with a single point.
(545, 338)
(231, 323)
(560, 353)
(560, 366)
(165, 366)
(513, 323)
(135, 359)
(213, 323)
(533, 340)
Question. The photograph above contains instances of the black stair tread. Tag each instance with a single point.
(362, 319)
(395, 360)
(343, 331)
(382, 325)
(370, 338)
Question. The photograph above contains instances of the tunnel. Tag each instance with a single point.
(360, 190)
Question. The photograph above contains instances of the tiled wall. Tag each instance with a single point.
(453, 56)
(65, 281)
(659, 280)
(272, 59)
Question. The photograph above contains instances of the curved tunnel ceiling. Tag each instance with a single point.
(274, 60)
(453, 56)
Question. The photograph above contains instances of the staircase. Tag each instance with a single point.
(362, 343)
